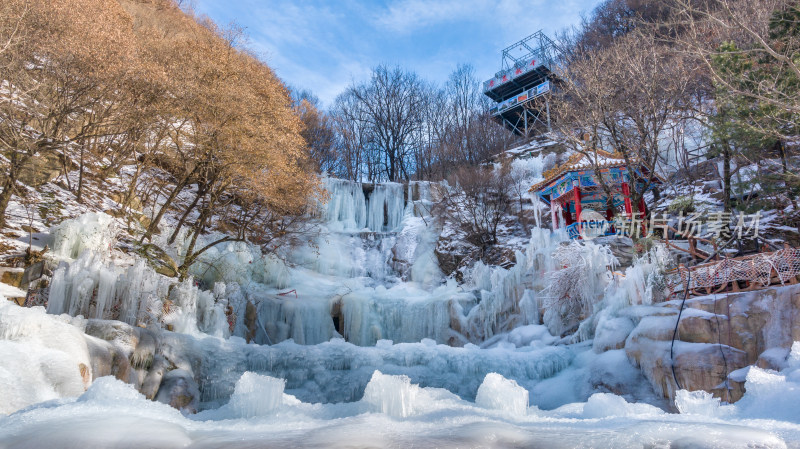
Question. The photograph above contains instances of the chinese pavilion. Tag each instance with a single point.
(574, 188)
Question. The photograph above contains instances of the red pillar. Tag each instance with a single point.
(643, 211)
(626, 192)
(578, 209)
(567, 215)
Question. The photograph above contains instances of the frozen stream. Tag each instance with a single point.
(392, 411)
(358, 342)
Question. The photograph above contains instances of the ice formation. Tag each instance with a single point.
(337, 395)
(256, 395)
(497, 392)
(370, 275)
(391, 395)
(42, 357)
(91, 231)
(697, 402)
(360, 341)
(393, 412)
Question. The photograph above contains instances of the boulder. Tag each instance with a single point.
(121, 334)
(250, 319)
(145, 350)
(774, 359)
(86, 374)
(452, 254)
(718, 336)
(108, 358)
(40, 169)
(180, 391)
(621, 248)
(12, 276)
(101, 356)
(152, 381)
(697, 366)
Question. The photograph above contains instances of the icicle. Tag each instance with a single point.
(346, 208)
(385, 207)
(106, 291)
(57, 300)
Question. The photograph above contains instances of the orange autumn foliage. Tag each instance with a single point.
(144, 82)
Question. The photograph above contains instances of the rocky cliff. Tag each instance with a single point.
(718, 338)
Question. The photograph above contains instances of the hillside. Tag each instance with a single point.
(194, 254)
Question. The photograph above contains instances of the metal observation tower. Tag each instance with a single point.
(521, 87)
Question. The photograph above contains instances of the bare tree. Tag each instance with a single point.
(627, 97)
(388, 109)
(477, 199)
(351, 138)
(750, 50)
(60, 81)
(318, 134)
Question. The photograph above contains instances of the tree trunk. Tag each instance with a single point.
(80, 176)
(726, 175)
(5, 197)
(10, 183)
(197, 229)
(786, 176)
(65, 168)
(173, 194)
(201, 192)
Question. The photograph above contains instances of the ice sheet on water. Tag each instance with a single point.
(109, 390)
(337, 371)
(604, 405)
(259, 413)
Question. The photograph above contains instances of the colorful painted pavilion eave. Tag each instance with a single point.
(559, 181)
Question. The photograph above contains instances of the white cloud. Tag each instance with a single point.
(505, 16)
(405, 16)
(323, 46)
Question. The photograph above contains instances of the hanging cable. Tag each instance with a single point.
(680, 312)
(719, 343)
(675, 331)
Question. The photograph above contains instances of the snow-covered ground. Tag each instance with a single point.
(392, 410)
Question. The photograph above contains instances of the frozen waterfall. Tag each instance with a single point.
(369, 274)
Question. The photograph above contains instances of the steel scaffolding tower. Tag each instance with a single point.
(521, 87)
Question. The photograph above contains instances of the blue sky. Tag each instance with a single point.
(325, 45)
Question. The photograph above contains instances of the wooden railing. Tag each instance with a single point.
(737, 274)
(692, 242)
